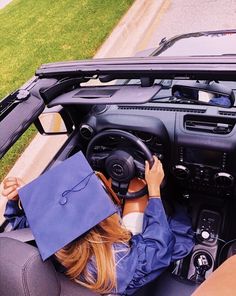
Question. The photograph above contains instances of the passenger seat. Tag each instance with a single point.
(23, 273)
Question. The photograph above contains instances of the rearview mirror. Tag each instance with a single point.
(207, 94)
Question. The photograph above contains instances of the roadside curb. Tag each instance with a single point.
(4, 3)
(126, 37)
(124, 40)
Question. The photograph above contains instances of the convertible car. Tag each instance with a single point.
(119, 112)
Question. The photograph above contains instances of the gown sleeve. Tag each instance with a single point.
(153, 250)
(15, 215)
(181, 226)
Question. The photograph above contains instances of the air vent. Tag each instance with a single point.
(169, 109)
(86, 131)
(227, 113)
(208, 127)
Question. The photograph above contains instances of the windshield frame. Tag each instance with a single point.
(165, 44)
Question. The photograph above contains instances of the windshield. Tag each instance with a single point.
(214, 44)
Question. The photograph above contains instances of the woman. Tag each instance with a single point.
(108, 259)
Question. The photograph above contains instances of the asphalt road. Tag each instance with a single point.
(184, 16)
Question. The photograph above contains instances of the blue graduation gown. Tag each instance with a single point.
(162, 241)
(15, 215)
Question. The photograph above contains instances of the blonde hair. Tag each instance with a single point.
(95, 245)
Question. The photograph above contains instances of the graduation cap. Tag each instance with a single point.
(64, 203)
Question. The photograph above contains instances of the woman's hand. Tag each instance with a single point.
(11, 186)
(154, 177)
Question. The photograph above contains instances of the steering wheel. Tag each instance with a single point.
(121, 165)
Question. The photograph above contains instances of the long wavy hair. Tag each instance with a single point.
(95, 245)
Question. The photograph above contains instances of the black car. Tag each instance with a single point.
(182, 109)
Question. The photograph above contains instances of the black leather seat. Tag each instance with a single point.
(22, 272)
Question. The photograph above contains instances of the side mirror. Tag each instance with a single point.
(54, 122)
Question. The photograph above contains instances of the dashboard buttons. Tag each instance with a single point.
(208, 227)
(204, 179)
(205, 234)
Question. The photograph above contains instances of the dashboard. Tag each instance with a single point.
(196, 145)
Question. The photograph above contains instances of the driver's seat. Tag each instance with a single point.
(23, 273)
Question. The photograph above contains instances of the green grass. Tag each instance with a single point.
(13, 153)
(36, 32)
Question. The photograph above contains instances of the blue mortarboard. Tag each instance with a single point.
(64, 203)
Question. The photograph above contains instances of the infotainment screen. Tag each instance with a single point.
(205, 157)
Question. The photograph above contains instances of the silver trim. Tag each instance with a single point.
(89, 129)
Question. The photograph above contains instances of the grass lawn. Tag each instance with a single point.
(36, 32)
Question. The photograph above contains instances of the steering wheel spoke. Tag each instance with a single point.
(140, 168)
(97, 160)
(120, 188)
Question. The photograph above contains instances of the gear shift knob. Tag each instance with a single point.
(202, 263)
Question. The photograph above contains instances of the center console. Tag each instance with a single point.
(203, 170)
(202, 260)
(204, 253)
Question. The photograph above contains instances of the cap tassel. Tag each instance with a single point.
(63, 200)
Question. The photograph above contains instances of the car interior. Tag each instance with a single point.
(186, 118)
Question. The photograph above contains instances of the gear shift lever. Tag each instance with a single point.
(202, 263)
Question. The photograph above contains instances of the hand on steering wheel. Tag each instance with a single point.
(154, 177)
